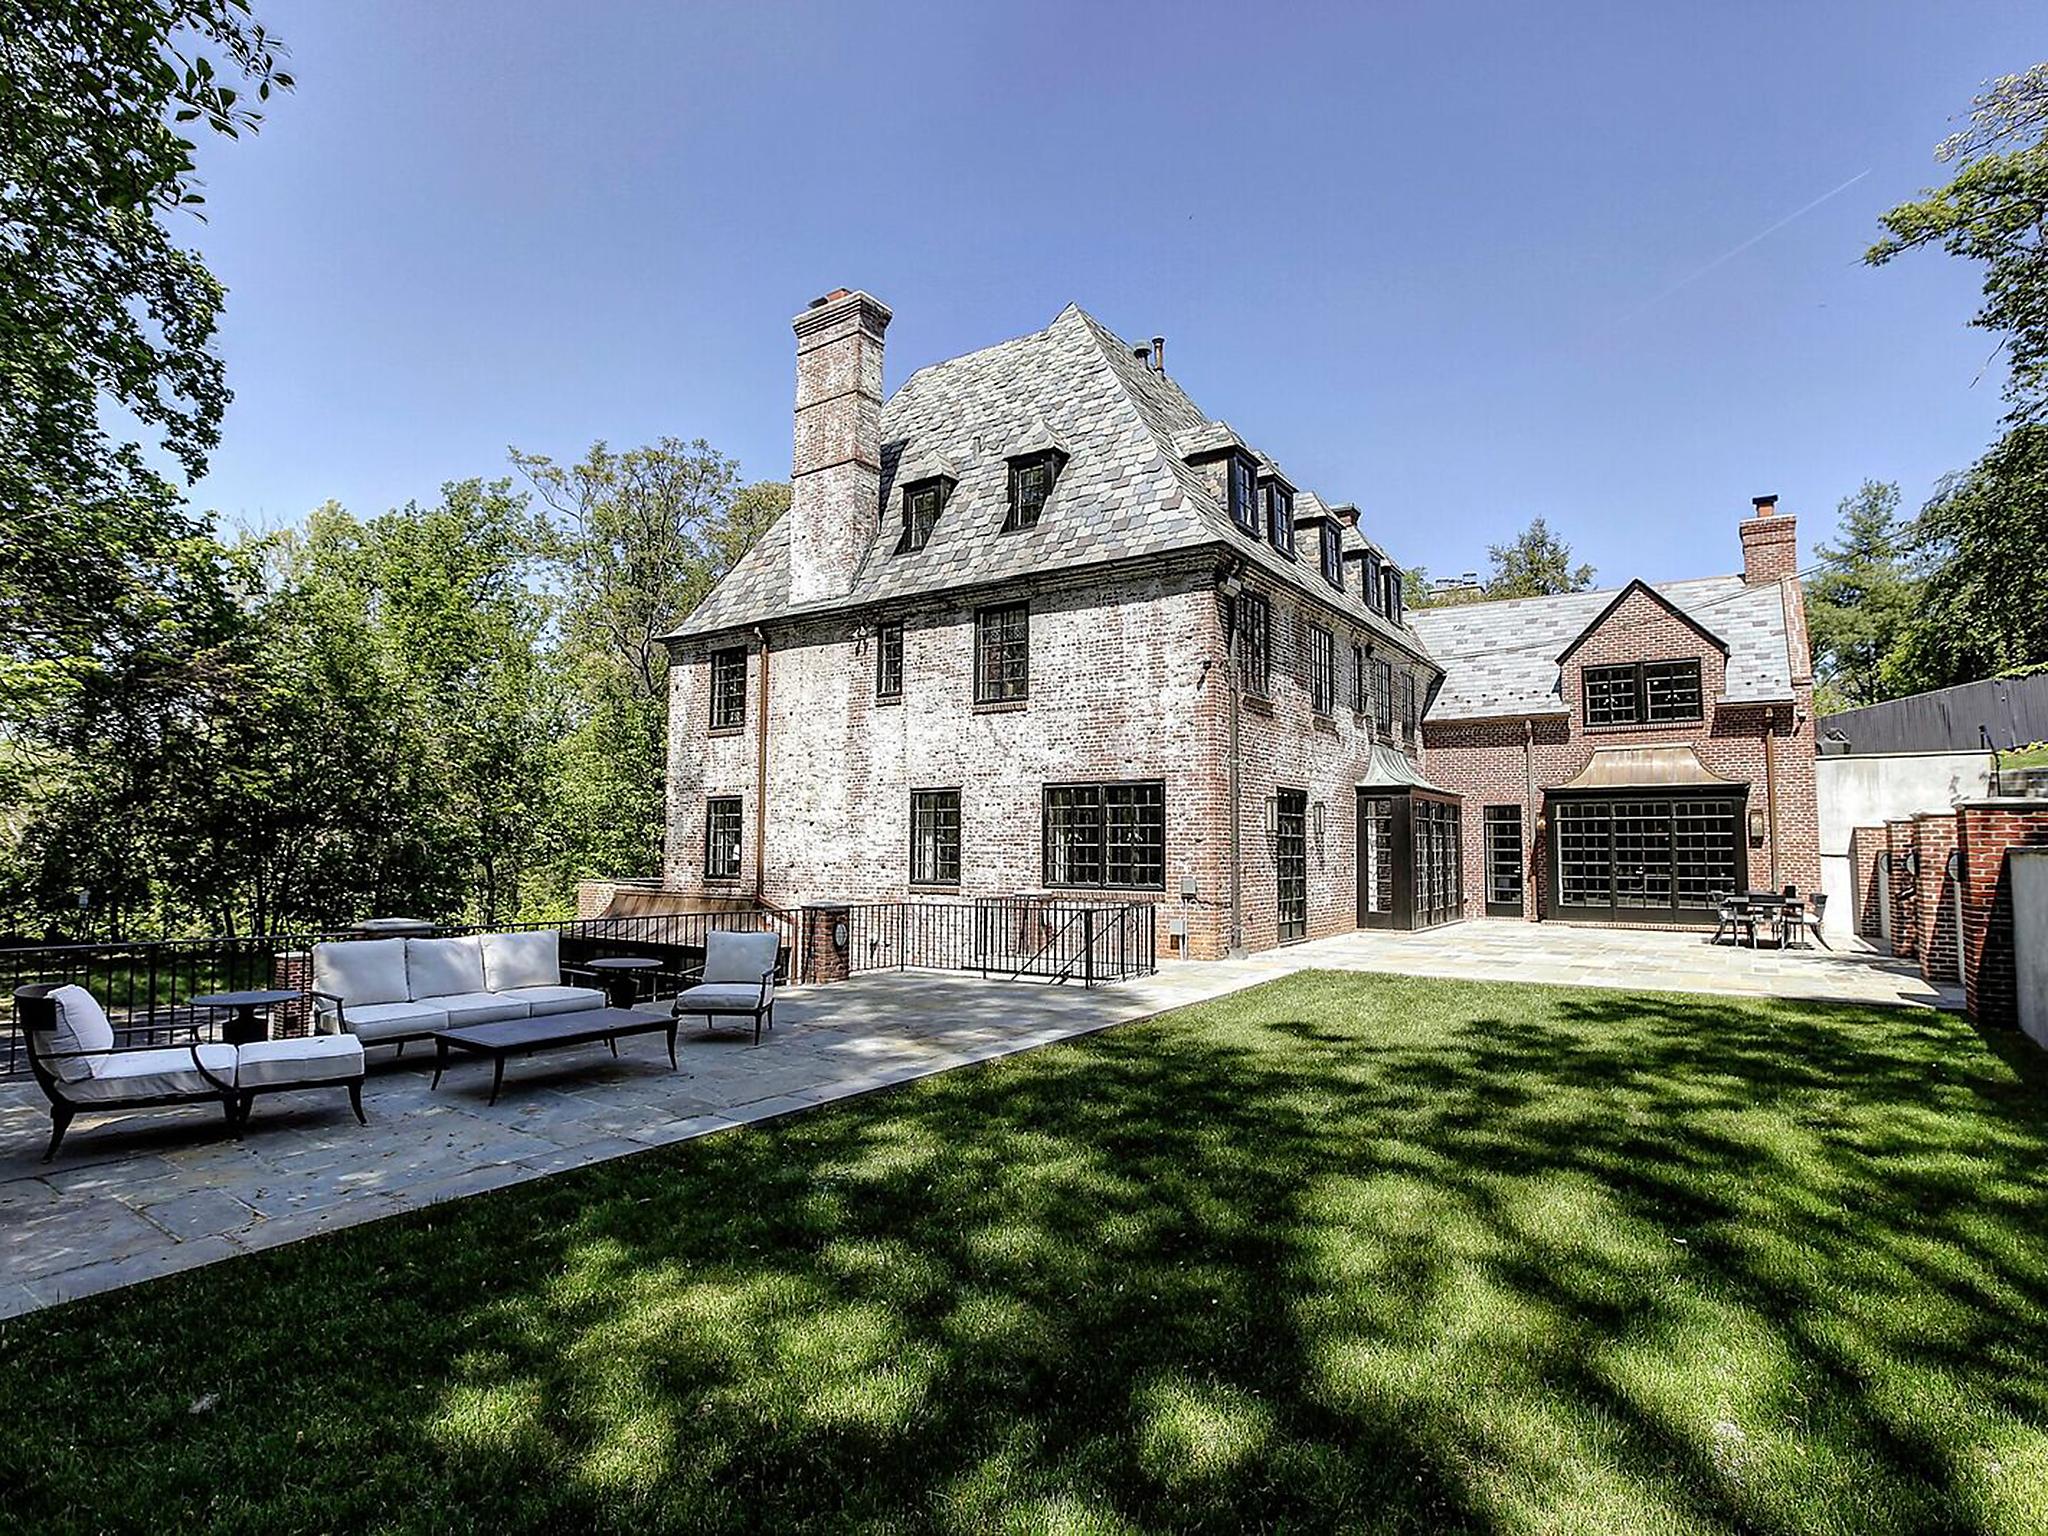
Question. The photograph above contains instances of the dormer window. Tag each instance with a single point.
(1375, 594)
(1280, 517)
(1031, 482)
(1244, 505)
(1333, 555)
(923, 501)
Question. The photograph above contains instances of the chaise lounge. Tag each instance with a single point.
(391, 991)
(79, 1067)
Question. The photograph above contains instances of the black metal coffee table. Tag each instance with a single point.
(526, 1037)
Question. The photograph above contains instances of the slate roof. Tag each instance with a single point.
(1501, 659)
(1125, 492)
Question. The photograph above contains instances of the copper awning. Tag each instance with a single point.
(1670, 766)
(1392, 770)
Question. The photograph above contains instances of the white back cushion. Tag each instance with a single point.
(522, 960)
(730, 956)
(361, 970)
(81, 1026)
(443, 967)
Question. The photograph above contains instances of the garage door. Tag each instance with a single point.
(1644, 858)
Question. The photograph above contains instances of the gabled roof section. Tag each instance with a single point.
(1126, 490)
(1642, 586)
(1501, 659)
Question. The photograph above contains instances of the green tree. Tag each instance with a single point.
(99, 305)
(1535, 564)
(1994, 210)
(1862, 602)
(1984, 604)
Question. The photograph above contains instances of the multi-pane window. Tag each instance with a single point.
(1408, 716)
(1254, 624)
(1635, 692)
(1361, 690)
(1671, 690)
(1322, 670)
(722, 837)
(1244, 504)
(1391, 575)
(935, 837)
(1106, 835)
(1280, 518)
(1333, 555)
(1375, 592)
(922, 504)
(889, 661)
(1030, 488)
(1383, 694)
(1002, 653)
(729, 689)
(1504, 860)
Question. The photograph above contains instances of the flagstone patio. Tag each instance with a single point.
(152, 1192)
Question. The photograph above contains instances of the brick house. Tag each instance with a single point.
(1624, 756)
(1037, 624)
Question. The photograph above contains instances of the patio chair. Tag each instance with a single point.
(737, 980)
(76, 1063)
(1802, 919)
(1737, 916)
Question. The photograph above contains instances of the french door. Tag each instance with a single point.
(1290, 863)
(1645, 858)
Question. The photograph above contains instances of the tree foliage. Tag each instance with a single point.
(1863, 601)
(1535, 563)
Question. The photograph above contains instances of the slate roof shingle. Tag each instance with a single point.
(1125, 492)
(1500, 658)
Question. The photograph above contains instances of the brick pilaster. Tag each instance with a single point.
(291, 970)
(823, 957)
(1905, 913)
(1985, 830)
(1867, 850)
(1934, 898)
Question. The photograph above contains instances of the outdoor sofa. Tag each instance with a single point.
(390, 991)
(75, 1060)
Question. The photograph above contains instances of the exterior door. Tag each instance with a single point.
(1646, 858)
(1290, 863)
(1375, 861)
(1439, 860)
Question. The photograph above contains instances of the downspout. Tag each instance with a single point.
(1232, 578)
(1771, 790)
(761, 779)
(1532, 833)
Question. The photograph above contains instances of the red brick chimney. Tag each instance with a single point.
(836, 473)
(1770, 544)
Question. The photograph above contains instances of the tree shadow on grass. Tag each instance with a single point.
(1337, 1252)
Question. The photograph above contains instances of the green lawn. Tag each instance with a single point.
(1341, 1252)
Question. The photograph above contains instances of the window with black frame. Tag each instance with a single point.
(1107, 835)
(1002, 654)
(1333, 555)
(722, 837)
(888, 661)
(935, 837)
(729, 689)
(922, 504)
(1409, 720)
(1280, 517)
(1612, 697)
(1243, 490)
(1671, 690)
(1031, 482)
(1375, 591)
(1383, 694)
(1361, 690)
(1254, 636)
(1504, 860)
(1644, 692)
(1322, 670)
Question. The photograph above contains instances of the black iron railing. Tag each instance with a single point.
(1045, 938)
(145, 986)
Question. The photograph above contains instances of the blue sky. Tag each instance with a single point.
(1462, 264)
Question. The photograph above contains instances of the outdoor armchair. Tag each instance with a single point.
(737, 980)
(76, 1062)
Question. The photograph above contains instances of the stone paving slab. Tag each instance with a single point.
(138, 1195)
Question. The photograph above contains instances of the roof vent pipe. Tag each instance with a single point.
(1143, 354)
(1159, 354)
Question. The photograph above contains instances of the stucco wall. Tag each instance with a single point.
(2028, 868)
(1864, 791)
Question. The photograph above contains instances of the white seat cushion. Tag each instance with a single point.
(361, 970)
(540, 1000)
(81, 1027)
(522, 960)
(443, 967)
(731, 956)
(383, 1021)
(300, 1059)
(124, 1076)
(481, 1007)
(723, 996)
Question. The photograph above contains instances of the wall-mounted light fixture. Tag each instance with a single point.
(1756, 826)
(1954, 868)
(840, 935)
(1272, 815)
(1322, 823)
(1912, 863)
